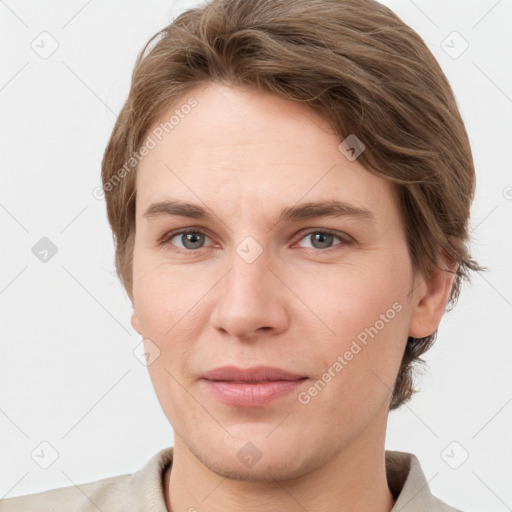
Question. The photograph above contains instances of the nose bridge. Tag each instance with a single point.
(248, 282)
(249, 260)
(249, 297)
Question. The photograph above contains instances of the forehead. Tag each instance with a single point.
(250, 149)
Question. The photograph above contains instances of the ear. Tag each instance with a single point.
(430, 297)
(135, 322)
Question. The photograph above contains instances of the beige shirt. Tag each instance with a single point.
(143, 491)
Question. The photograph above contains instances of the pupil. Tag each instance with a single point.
(321, 238)
(193, 238)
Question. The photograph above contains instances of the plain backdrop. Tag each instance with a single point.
(68, 374)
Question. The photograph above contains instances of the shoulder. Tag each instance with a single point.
(409, 485)
(107, 495)
(134, 491)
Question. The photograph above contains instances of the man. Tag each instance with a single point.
(289, 185)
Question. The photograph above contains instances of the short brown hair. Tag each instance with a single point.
(357, 64)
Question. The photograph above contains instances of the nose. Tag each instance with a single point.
(251, 300)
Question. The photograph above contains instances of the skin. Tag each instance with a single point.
(244, 155)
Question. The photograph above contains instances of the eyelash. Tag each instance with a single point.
(345, 239)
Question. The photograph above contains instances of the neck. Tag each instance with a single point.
(353, 479)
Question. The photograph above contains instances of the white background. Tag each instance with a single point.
(67, 369)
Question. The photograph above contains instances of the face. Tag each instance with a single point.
(253, 274)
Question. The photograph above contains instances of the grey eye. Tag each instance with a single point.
(191, 239)
(320, 239)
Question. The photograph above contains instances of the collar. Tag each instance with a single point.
(406, 482)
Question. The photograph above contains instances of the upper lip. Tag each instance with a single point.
(253, 374)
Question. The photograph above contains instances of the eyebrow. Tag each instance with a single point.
(302, 211)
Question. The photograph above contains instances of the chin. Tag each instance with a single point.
(253, 455)
(268, 469)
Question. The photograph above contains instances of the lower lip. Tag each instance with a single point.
(251, 395)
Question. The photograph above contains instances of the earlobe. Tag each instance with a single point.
(430, 299)
(135, 323)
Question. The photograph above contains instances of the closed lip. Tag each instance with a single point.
(253, 374)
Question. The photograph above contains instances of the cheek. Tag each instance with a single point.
(367, 313)
(167, 304)
(349, 300)
(164, 299)
(357, 373)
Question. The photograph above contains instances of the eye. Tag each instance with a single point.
(190, 239)
(322, 239)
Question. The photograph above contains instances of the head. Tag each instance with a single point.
(239, 108)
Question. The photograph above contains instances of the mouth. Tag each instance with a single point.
(251, 387)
